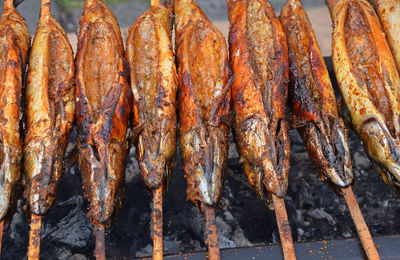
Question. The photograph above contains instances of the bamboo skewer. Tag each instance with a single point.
(34, 237)
(45, 8)
(211, 230)
(362, 228)
(155, 2)
(8, 4)
(1, 234)
(157, 224)
(285, 232)
(100, 250)
(36, 221)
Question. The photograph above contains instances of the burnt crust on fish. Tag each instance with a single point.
(154, 84)
(204, 101)
(103, 110)
(14, 49)
(312, 100)
(259, 59)
(49, 113)
(369, 82)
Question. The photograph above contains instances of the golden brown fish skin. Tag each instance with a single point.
(369, 83)
(49, 113)
(103, 109)
(154, 83)
(389, 15)
(204, 101)
(14, 47)
(259, 59)
(312, 99)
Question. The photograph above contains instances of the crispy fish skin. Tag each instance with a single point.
(50, 110)
(389, 15)
(312, 99)
(154, 84)
(14, 47)
(259, 59)
(103, 110)
(204, 101)
(369, 83)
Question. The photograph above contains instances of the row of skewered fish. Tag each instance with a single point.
(273, 61)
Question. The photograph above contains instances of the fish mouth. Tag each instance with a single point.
(342, 180)
(383, 151)
(390, 173)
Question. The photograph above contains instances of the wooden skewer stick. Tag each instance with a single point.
(45, 8)
(157, 224)
(155, 2)
(1, 234)
(285, 232)
(100, 250)
(34, 237)
(211, 229)
(8, 4)
(362, 228)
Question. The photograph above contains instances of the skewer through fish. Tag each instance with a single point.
(259, 59)
(103, 109)
(14, 47)
(369, 82)
(150, 55)
(313, 106)
(204, 108)
(50, 110)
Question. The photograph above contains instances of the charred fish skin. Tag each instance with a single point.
(154, 84)
(103, 110)
(312, 99)
(49, 113)
(204, 101)
(369, 83)
(389, 15)
(14, 48)
(259, 59)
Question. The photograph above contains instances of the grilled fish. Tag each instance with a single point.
(103, 109)
(259, 59)
(369, 82)
(14, 47)
(50, 109)
(204, 101)
(312, 99)
(154, 84)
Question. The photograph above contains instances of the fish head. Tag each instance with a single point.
(383, 150)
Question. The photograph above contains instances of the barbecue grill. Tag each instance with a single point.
(247, 230)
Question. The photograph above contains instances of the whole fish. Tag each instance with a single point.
(50, 109)
(369, 82)
(154, 83)
(103, 109)
(312, 100)
(204, 101)
(14, 47)
(259, 59)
